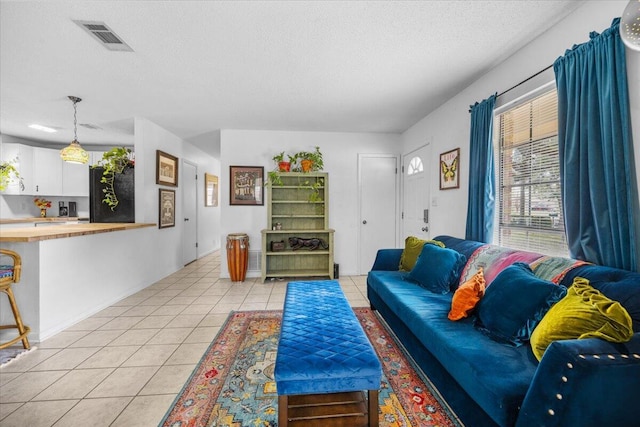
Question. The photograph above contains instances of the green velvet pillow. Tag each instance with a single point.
(412, 248)
(583, 313)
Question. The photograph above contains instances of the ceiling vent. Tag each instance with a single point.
(105, 35)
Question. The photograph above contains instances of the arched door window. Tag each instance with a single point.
(415, 166)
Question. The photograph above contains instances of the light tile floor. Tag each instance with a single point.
(125, 365)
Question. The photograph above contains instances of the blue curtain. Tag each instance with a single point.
(596, 151)
(482, 181)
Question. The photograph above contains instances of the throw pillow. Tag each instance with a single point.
(437, 268)
(412, 248)
(583, 313)
(467, 296)
(514, 304)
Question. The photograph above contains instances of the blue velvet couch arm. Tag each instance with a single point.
(587, 382)
(387, 260)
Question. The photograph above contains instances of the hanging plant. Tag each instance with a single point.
(8, 173)
(113, 162)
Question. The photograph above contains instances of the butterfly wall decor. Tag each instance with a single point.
(449, 167)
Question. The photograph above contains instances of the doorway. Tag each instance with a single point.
(378, 203)
(190, 211)
(416, 192)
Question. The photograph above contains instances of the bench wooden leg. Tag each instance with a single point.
(283, 413)
(373, 408)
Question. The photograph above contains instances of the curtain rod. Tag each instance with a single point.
(525, 80)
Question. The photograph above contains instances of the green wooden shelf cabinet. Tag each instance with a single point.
(298, 214)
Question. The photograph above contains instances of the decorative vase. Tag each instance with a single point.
(43, 212)
(306, 165)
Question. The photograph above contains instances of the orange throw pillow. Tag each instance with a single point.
(467, 296)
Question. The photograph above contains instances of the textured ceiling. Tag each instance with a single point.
(200, 66)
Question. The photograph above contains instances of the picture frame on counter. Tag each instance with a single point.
(166, 169)
(166, 208)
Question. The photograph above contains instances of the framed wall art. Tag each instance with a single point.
(166, 169)
(166, 208)
(246, 185)
(449, 166)
(210, 190)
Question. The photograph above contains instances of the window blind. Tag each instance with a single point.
(529, 212)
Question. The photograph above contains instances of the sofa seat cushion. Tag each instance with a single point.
(496, 376)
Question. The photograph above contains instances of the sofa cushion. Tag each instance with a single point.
(583, 313)
(412, 248)
(467, 296)
(619, 285)
(470, 357)
(514, 304)
(437, 268)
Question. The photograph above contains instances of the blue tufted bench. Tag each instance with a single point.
(324, 359)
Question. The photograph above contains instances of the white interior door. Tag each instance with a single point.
(416, 193)
(190, 210)
(378, 206)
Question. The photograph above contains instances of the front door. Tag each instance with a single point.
(416, 194)
(378, 206)
(189, 209)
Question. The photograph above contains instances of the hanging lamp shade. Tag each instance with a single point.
(74, 153)
(630, 25)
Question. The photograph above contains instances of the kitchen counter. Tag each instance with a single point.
(34, 234)
(72, 271)
(42, 219)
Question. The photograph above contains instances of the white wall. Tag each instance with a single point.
(448, 126)
(340, 154)
(167, 242)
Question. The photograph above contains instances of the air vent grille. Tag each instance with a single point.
(105, 35)
(255, 261)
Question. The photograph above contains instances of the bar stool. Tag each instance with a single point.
(10, 274)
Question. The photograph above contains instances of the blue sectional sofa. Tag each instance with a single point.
(578, 382)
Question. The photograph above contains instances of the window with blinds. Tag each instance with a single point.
(529, 212)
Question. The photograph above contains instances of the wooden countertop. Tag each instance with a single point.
(35, 234)
(41, 219)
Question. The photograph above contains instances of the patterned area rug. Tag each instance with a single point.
(233, 385)
(10, 354)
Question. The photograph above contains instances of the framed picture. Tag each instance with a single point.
(210, 190)
(246, 185)
(449, 166)
(166, 208)
(166, 169)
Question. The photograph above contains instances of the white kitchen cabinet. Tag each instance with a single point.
(47, 172)
(75, 180)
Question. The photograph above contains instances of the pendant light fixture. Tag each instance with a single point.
(630, 25)
(74, 153)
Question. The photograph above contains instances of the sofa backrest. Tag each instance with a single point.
(619, 285)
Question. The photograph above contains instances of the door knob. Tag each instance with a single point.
(186, 219)
(425, 229)
(364, 222)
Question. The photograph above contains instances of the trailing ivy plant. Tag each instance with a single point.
(8, 173)
(113, 162)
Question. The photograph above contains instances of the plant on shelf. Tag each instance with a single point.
(315, 189)
(8, 173)
(114, 161)
(310, 161)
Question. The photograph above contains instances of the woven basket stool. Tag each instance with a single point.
(10, 274)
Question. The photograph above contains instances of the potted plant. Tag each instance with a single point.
(283, 165)
(310, 161)
(114, 161)
(8, 173)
